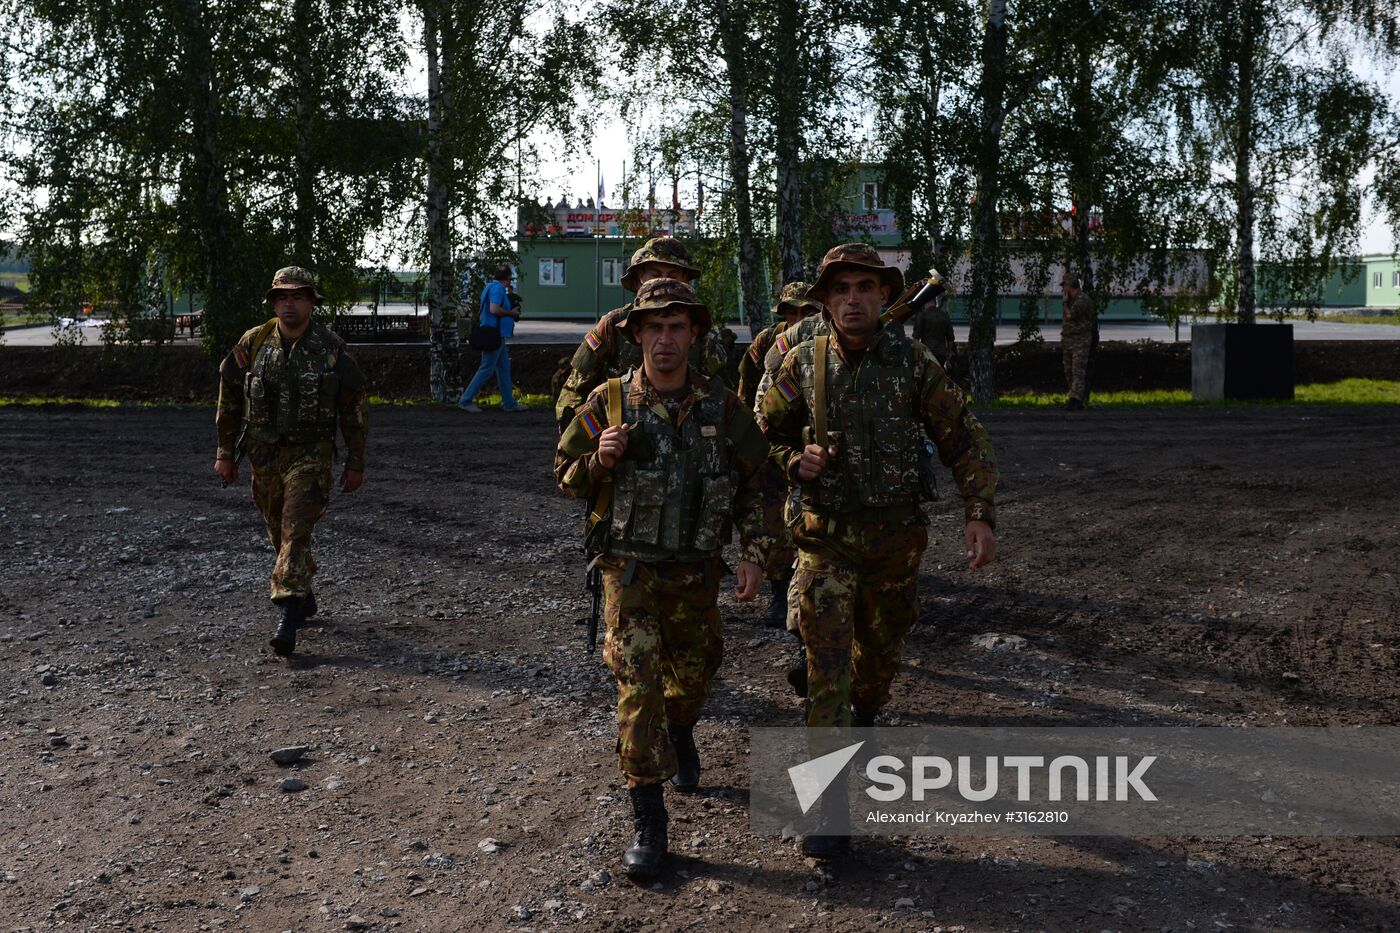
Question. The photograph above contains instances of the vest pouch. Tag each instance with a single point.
(623, 496)
(928, 472)
(649, 501)
(308, 399)
(329, 397)
(259, 411)
(895, 454)
(712, 529)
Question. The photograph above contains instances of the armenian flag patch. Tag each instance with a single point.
(786, 389)
(783, 345)
(753, 355)
(591, 424)
(240, 356)
(593, 341)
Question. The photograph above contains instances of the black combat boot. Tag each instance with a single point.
(833, 833)
(1074, 404)
(797, 673)
(648, 850)
(776, 614)
(284, 640)
(308, 604)
(863, 719)
(687, 776)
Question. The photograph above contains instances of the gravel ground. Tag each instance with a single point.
(1170, 567)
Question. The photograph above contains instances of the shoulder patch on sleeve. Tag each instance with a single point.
(787, 389)
(240, 355)
(593, 341)
(591, 425)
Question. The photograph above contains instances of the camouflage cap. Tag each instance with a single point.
(794, 296)
(662, 294)
(659, 249)
(290, 279)
(855, 256)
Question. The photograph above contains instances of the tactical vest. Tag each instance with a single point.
(872, 421)
(673, 491)
(291, 398)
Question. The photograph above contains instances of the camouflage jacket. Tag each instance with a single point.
(578, 473)
(351, 401)
(751, 366)
(934, 329)
(605, 353)
(1080, 320)
(914, 389)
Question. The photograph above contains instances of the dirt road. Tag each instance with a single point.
(1165, 567)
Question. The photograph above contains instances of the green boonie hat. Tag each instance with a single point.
(854, 256)
(794, 296)
(661, 294)
(665, 249)
(290, 279)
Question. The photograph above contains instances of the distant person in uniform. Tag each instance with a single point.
(282, 390)
(1079, 331)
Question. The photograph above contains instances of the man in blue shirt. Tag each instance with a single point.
(496, 311)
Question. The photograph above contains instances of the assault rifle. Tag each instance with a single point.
(239, 448)
(903, 310)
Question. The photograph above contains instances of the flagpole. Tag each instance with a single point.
(597, 247)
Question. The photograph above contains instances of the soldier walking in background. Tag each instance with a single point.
(934, 329)
(793, 305)
(846, 417)
(669, 459)
(1079, 332)
(282, 389)
(603, 355)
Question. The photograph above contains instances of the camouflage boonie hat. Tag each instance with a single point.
(291, 278)
(794, 296)
(660, 294)
(665, 249)
(855, 256)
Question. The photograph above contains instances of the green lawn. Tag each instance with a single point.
(1346, 392)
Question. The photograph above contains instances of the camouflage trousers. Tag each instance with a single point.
(1075, 351)
(291, 488)
(664, 645)
(857, 588)
(775, 490)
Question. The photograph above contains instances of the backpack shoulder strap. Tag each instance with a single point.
(821, 342)
(602, 502)
(261, 337)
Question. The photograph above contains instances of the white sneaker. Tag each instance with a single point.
(469, 406)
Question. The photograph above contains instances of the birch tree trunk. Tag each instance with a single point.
(1081, 157)
(933, 217)
(304, 167)
(787, 114)
(440, 291)
(733, 23)
(1244, 142)
(986, 238)
(223, 315)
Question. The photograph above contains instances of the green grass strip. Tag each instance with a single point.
(1345, 392)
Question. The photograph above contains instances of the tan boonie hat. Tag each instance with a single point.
(659, 249)
(855, 256)
(659, 295)
(290, 279)
(794, 296)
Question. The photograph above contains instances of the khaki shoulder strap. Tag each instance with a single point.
(602, 503)
(261, 337)
(819, 390)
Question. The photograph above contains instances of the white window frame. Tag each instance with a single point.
(1376, 280)
(553, 272)
(611, 273)
(870, 196)
(1395, 280)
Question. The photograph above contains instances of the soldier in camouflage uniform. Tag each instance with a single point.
(861, 530)
(681, 465)
(282, 389)
(793, 305)
(603, 355)
(1079, 332)
(934, 329)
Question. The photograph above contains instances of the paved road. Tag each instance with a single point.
(528, 331)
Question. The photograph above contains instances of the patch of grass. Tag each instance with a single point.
(1393, 319)
(1345, 392)
(66, 401)
(534, 400)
